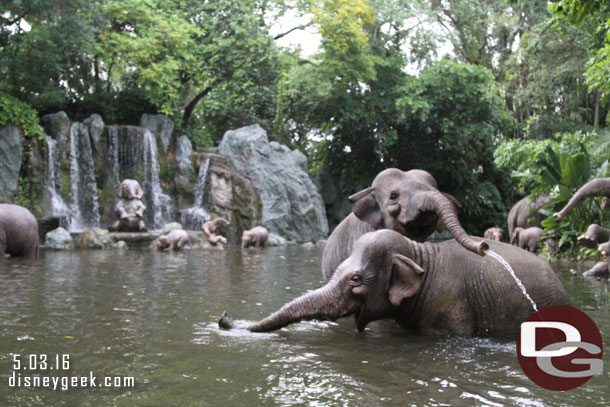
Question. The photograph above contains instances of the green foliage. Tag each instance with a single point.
(23, 196)
(20, 114)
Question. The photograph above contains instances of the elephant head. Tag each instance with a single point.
(596, 187)
(514, 238)
(370, 284)
(162, 242)
(130, 189)
(409, 203)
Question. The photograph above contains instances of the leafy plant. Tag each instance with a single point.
(20, 114)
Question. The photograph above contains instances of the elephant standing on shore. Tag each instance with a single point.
(18, 231)
(407, 202)
(526, 213)
(430, 287)
(596, 187)
(255, 237)
(528, 238)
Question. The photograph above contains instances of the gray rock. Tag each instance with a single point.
(276, 240)
(184, 149)
(120, 245)
(170, 226)
(95, 124)
(93, 238)
(292, 206)
(10, 161)
(59, 239)
(160, 124)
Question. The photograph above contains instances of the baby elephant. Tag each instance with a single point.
(527, 238)
(494, 234)
(255, 237)
(174, 240)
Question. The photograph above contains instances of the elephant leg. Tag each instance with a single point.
(3, 244)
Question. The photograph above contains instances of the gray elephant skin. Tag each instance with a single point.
(594, 235)
(407, 202)
(255, 237)
(210, 238)
(596, 187)
(129, 209)
(602, 268)
(18, 232)
(526, 213)
(437, 288)
(527, 238)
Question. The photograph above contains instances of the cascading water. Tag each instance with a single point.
(195, 216)
(84, 206)
(58, 206)
(514, 276)
(113, 153)
(160, 203)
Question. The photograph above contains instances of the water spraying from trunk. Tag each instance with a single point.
(507, 266)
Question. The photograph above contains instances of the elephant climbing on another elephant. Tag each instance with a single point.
(596, 187)
(526, 213)
(430, 287)
(407, 202)
(18, 231)
(594, 235)
(255, 237)
(527, 239)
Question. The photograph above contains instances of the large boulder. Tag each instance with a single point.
(11, 149)
(59, 239)
(93, 238)
(292, 206)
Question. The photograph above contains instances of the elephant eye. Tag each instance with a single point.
(355, 280)
(394, 195)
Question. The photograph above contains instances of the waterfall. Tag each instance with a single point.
(159, 204)
(113, 153)
(84, 205)
(196, 215)
(57, 204)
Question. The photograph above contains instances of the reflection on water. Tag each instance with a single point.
(153, 316)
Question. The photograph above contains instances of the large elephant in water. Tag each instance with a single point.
(596, 187)
(18, 231)
(407, 202)
(430, 287)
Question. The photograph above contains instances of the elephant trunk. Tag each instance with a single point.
(320, 304)
(596, 187)
(437, 202)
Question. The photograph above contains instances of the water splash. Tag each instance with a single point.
(58, 206)
(196, 215)
(507, 266)
(84, 205)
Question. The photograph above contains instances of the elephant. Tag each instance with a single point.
(494, 233)
(594, 235)
(255, 237)
(602, 268)
(210, 238)
(129, 209)
(407, 202)
(526, 213)
(595, 187)
(130, 189)
(527, 238)
(174, 240)
(434, 288)
(18, 231)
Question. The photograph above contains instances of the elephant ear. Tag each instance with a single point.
(139, 192)
(405, 280)
(453, 200)
(366, 208)
(119, 191)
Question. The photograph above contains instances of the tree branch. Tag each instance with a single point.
(300, 27)
(188, 110)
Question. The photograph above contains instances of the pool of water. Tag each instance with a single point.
(153, 317)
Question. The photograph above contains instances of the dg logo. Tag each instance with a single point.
(560, 348)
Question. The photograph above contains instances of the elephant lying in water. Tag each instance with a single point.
(433, 288)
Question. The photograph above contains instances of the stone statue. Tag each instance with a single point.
(129, 209)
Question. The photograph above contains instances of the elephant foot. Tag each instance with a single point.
(587, 241)
(225, 322)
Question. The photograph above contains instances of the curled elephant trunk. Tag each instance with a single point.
(437, 202)
(596, 187)
(319, 304)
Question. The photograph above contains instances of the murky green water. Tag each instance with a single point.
(152, 316)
